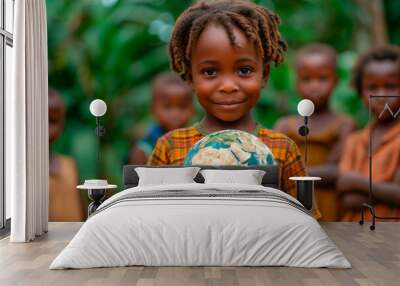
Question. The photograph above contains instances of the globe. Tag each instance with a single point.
(229, 147)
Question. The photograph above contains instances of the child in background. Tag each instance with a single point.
(64, 200)
(316, 79)
(377, 73)
(172, 106)
(224, 50)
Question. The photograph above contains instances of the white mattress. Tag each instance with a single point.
(189, 230)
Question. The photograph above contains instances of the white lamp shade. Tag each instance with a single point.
(98, 107)
(305, 107)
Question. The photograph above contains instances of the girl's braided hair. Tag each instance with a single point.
(258, 23)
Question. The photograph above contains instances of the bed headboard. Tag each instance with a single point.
(270, 179)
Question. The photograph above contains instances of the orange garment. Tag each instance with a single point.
(64, 199)
(385, 164)
(319, 147)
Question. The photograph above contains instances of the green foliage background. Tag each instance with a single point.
(111, 49)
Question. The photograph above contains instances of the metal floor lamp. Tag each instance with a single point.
(369, 205)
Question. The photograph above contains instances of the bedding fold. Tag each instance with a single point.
(201, 225)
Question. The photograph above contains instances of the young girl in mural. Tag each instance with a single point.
(377, 73)
(316, 80)
(224, 50)
(172, 107)
(64, 200)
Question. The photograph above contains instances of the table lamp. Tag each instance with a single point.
(305, 108)
(98, 108)
(305, 185)
(97, 188)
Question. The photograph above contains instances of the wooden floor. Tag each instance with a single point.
(374, 255)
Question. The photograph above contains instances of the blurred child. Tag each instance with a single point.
(377, 73)
(64, 200)
(224, 50)
(171, 105)
(316, 79)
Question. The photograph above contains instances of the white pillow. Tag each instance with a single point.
(249, 177)
(164, 176)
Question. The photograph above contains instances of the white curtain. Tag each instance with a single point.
(27, 147)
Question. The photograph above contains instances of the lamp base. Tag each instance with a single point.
(372, 210)
(305, 190)
(305, 193)
(96, 195)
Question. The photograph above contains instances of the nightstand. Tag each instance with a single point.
(305, 190)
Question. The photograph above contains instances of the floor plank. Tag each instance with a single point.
(374, 255)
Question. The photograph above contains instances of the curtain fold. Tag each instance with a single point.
(27, 124)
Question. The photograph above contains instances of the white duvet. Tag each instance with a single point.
(183, 231)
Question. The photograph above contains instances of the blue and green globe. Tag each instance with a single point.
(229, 147)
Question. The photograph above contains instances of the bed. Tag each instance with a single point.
(201, 224)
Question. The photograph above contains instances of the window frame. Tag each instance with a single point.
(6, 39)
